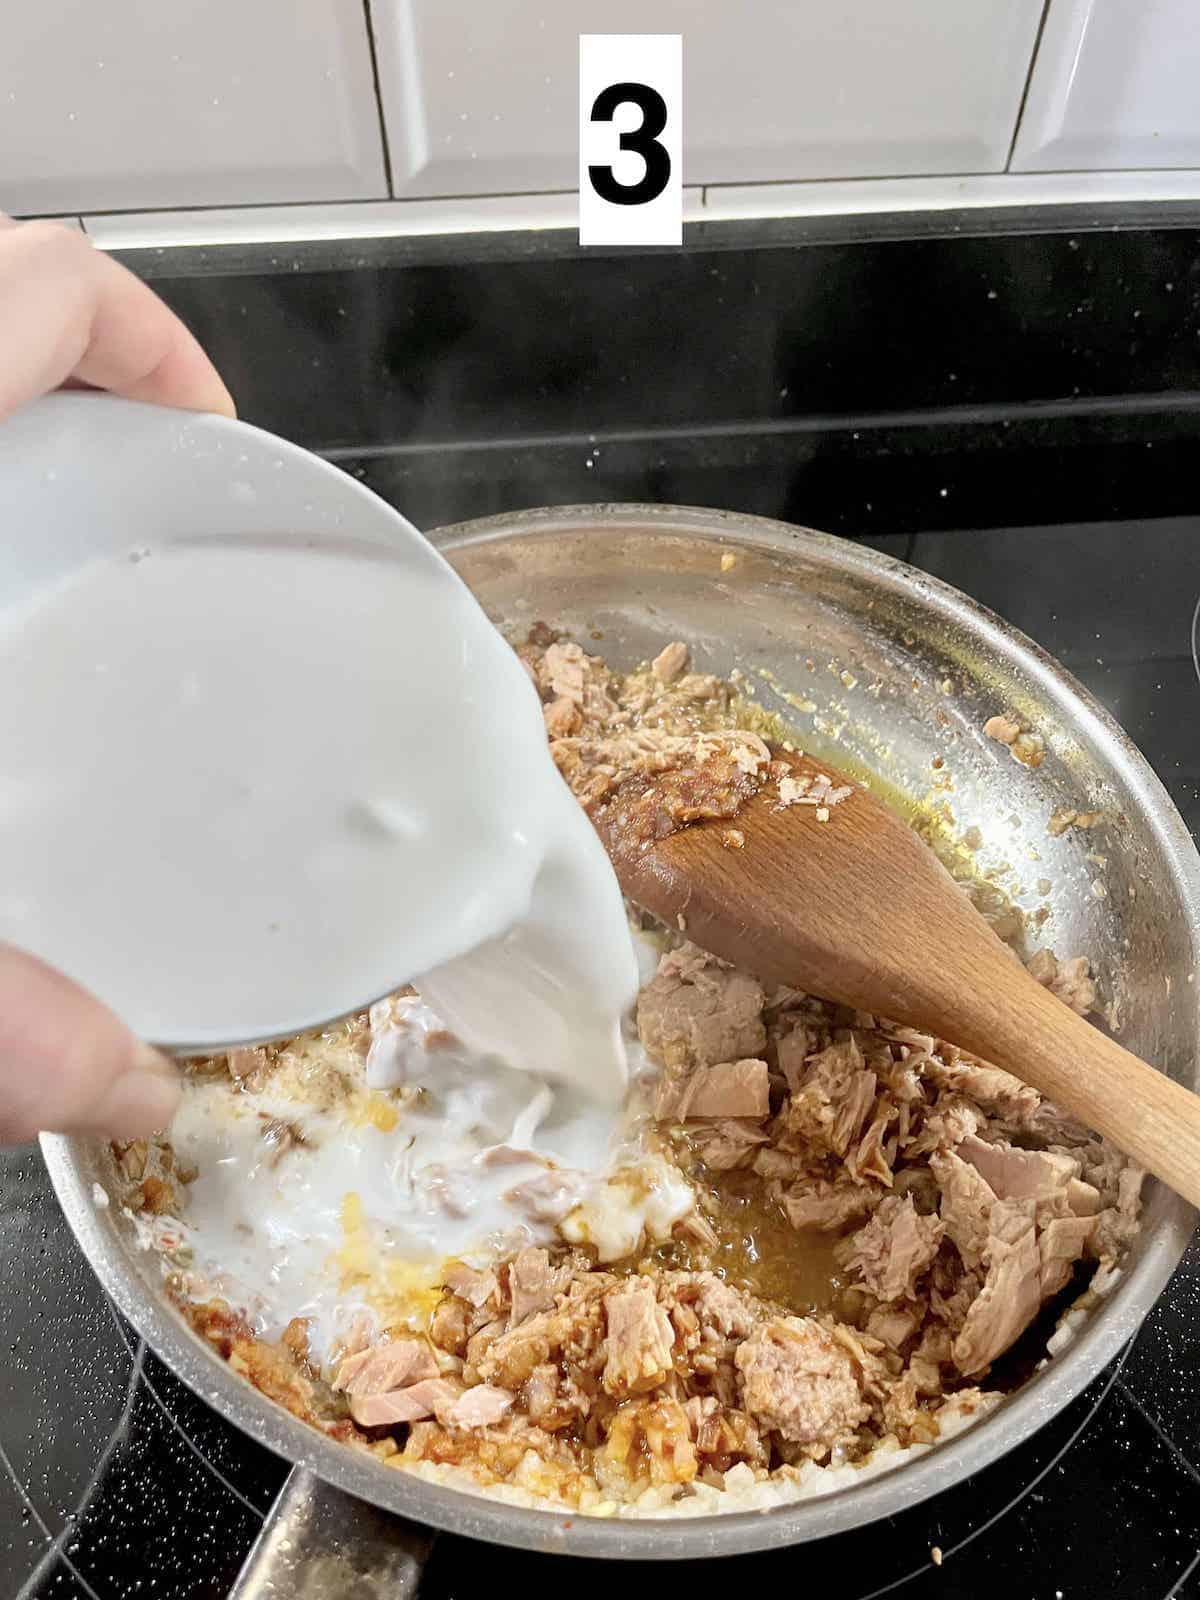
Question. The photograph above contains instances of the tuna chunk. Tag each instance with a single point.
(563, 671)
(894, 1249)
(541, 1394)
(480, 1407)
(1116, 1225)
(1011, 1293)
(722, 1434)
(640, 1339)
(1082, 1199)
(533, 1284)
(833, 1098)
(799, 1382)
(784, 1164)
(728, 1089)
(816, 1203)
(391, 1365)
(485, 1335)
(697, 1012)
(872, 1156)
(727, 1143)
(722, 1308)
(1061, 1243)
(1020, 1174)
(562, 717)
(387, 1410)
(792, 1050)
(671, 662)
(554, 1399)
(895, 1325)
(952, 1119)
(242, 1062)
(546, 1197)
(1003, 729)
(990, 1087)
(512, 1356)
(967, 1201)
(997, 1240)
(469, 1283)
(1069, 980)
(432, 1395)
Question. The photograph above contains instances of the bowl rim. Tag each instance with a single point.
(474, 1515)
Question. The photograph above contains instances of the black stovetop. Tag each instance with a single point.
(116, 1481)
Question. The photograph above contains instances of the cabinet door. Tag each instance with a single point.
(481, 98)
(122, 104)
(1115, 84)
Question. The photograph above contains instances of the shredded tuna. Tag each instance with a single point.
(562, 717)
(1011, 1292)
(1003, 729)
(547, 1197)
(480, 1407)
(671, 662)
(245, 1061)
(728, 1089)
(1062, 1242)
(894, 1250)
(698, 1012)
(404, 1405)
(997, 1239)
(1069, 980)
(833, 1095)
(470, 1283)
(726, 1143)
(826, 1206)
(639, 1340)
(818, 790)
(391, 1365)
(1016, 1174)
(799, 1382)
(533, 1283)
(879, 1216)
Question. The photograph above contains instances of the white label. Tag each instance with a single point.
(630, 117)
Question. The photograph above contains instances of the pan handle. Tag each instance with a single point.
(319, 1543)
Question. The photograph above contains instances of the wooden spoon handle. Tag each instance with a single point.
(1031, 1033)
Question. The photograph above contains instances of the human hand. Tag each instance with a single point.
(71, 315)
(68, 1065)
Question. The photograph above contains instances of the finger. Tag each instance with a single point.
(68, 1065)
(67, 310)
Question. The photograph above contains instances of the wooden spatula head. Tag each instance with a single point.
(845, 901)
(841, 899)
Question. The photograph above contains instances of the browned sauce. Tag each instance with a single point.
(757, 1249)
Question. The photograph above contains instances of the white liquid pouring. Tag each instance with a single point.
(246, 787)
(359, 1218)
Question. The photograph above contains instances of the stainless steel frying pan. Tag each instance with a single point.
(898, 669)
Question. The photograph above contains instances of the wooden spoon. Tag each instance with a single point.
(848, 903)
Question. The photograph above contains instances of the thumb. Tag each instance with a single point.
(68, 1065)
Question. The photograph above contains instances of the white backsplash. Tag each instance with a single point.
(1116, 84)
(117, 105)
(774, 90)
(131, 108)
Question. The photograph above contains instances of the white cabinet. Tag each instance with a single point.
(125, 104)
(480, 95)
(1116, 84)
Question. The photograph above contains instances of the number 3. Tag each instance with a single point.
(643, 141)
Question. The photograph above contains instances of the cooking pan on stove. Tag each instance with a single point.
(899, 669)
